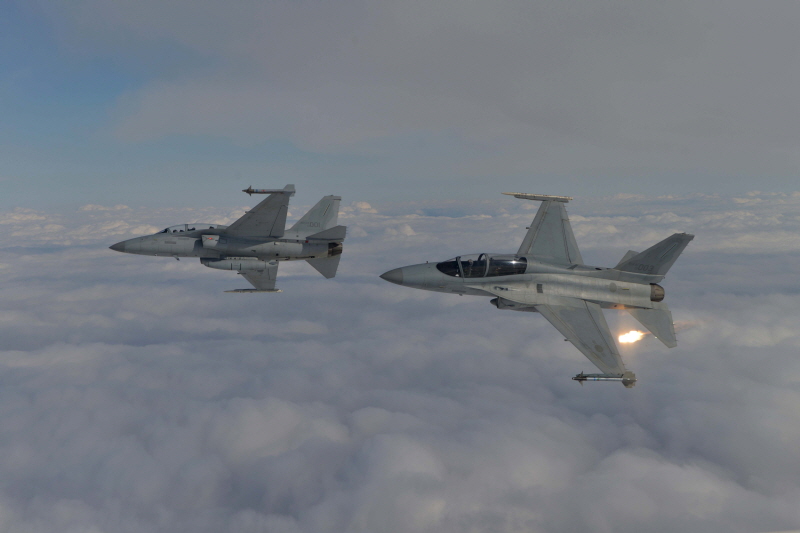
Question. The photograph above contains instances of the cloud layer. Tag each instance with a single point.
(136, 396)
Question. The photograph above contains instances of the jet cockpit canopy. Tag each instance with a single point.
(184, 228)
(483, 265)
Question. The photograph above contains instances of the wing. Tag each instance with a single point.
(583, 324)
(267, 219)
(550, 236)
(262, 280)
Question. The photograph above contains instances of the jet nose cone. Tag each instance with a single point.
(394, 276)
(119, 247)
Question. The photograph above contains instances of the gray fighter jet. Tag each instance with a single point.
(547, 275)
(254, 244)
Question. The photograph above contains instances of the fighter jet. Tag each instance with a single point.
(547, 275)
(255, 243)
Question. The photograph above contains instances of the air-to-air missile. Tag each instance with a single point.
(251, 191)
(627, 378)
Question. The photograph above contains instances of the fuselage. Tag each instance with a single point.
(493, 274)
(209, 241)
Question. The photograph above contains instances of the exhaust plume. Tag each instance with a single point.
(632, 336)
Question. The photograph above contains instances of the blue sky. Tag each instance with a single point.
(105, 102)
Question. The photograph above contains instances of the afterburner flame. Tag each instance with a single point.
(631, 336)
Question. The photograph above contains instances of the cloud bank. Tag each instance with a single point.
(136, 396)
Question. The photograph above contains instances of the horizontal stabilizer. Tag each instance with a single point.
(657, 260)
(658, 321)
(626, 257)
(336, 233)
(326, 266)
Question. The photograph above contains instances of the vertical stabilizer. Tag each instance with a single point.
(626, 257)
(657, 259)
(658, 321)
(322, 216)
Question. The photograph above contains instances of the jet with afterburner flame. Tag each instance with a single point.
(547, 275)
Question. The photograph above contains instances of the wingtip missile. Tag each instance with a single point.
(252, 291)
(628, 378)
(251, 191)
(539, 197)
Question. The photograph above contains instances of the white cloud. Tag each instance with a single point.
(364, 207)
(21, 215)
(94, 207)
(403, 230)
(136, 396)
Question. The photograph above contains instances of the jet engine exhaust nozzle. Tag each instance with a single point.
(335, 248)
(656, 292)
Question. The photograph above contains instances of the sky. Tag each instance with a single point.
(135, 395)
(174, 102)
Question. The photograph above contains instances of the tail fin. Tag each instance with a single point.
(322, 216)
(657, 259)
(658, 321)
(625, 258)
(336, 233)
(326, 265)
